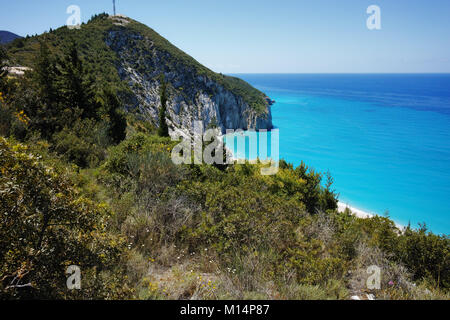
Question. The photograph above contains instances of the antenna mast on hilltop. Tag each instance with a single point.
(114, 6)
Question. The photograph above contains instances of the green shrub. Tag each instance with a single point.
(82, 144)
(45, 227)
(426, 255)
(139, 144)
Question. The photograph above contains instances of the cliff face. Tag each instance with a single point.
(193, 95)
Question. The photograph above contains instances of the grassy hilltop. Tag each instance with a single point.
(101, 61)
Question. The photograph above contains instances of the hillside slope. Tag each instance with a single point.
(83, 184)
(6, 37)
(131, 57)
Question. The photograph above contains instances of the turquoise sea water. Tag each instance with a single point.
(384, 138)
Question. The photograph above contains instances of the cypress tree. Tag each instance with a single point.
(77, 92)
(45, 111)
(45, 75)
(163, 130)
(117, 121)
(3, 71)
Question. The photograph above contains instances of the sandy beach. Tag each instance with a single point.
(362, 214)
(357, 212)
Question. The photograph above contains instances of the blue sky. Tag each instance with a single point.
(283, 36)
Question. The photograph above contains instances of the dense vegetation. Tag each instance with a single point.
(81, 183)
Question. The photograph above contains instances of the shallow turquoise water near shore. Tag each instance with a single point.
(384, 138)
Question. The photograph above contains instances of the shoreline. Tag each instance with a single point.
(341, 204)
(357, 212)
(363, 214)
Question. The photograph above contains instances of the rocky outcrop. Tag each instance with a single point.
(269, 101)
(192, 96)
(17, 71)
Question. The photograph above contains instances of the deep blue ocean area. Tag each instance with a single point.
(385, 138)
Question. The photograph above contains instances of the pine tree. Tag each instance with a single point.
(163, 130)
(329, 197)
